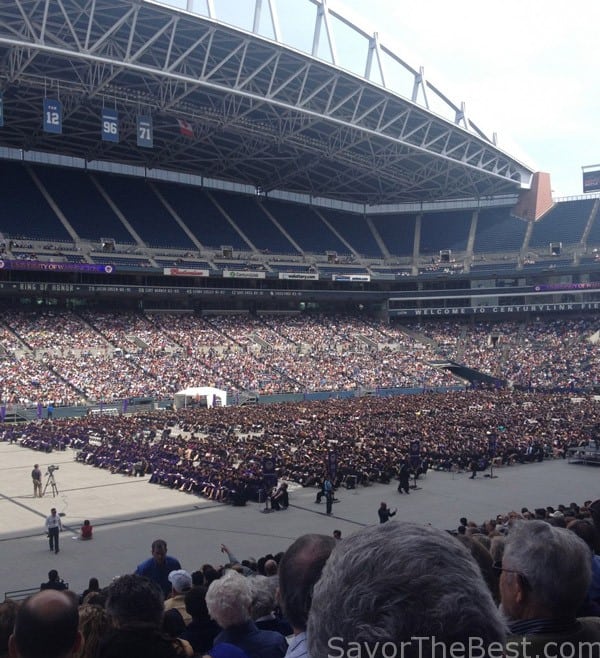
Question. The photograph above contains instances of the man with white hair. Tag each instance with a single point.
(229, 602)
(544, 576)
(402, 589)
(181, 583)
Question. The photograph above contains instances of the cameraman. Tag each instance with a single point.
(36, 477)
(54, 581)
(53, 527)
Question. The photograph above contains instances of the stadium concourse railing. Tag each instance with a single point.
(18, 413)
(22, 594)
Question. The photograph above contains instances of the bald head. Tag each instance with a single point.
(46, 627)
(270, 568)
(300, 568)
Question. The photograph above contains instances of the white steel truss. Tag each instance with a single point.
(262, 114)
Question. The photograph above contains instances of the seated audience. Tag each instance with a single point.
(229, 601)
(92, 588)
(94, 623)
(46, 626)
(264, 603)
(299, 570)
(202, 630)
(86, 530)
(8, 614)
(225, 650)
(54, 581)
(587, 531)
(181, 583)
(135, 605)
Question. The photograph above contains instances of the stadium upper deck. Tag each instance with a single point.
(145, 84)
(387, 182)
(68, 214)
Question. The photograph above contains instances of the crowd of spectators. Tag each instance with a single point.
(384, 585)
(219, 452)
(67, 358)
(538, 354)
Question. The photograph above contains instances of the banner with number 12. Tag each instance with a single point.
(53, 114)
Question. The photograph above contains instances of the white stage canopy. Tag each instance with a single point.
(191, 396)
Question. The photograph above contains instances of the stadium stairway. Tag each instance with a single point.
(474, 377)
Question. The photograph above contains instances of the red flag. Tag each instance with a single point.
(185, 128)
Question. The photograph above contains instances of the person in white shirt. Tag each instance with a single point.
(53, 528)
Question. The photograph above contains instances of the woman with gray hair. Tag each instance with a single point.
(264, 604)
(229, 601)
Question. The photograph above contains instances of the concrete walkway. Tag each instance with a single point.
(128, 513)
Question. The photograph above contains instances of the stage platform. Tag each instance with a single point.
(128, 513)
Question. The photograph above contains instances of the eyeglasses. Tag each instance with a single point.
(498, 568)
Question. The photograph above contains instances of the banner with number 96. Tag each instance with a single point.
(110, 125)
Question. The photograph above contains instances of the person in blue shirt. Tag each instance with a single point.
(229, 602)
(159, 566)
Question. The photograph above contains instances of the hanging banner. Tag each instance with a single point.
(145, 136)
(1, 111)
(110, 125)
(53, 113)
(415, 453)
(332, 462)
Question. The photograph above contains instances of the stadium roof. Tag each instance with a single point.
(233, 104)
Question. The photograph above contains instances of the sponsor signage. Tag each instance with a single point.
(497, 310)
(112, 289)
(589, 285)
(54, 267)
(182, 271)
(351, 277)
(591, 181)
(242, 274)
(299, 276)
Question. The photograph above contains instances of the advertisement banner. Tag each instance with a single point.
(591, 181)
(496, 310)
(243, 274)
(299, 276)
(351, 277)
(183, 271)
(37, 265)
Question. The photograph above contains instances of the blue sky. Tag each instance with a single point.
(527, 70)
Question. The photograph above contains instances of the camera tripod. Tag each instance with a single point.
(52, 482)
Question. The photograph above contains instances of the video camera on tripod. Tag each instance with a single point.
(50, 480)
